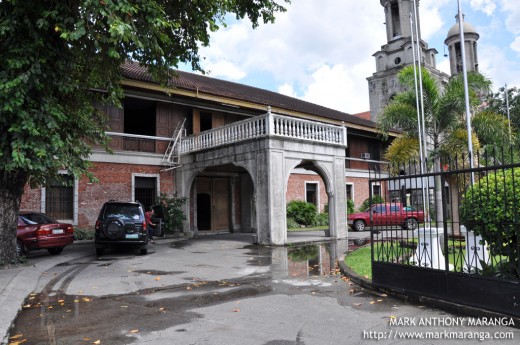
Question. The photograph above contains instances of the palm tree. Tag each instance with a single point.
(444, 118)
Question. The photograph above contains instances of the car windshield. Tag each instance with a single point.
(127, 212)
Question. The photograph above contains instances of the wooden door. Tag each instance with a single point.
(216, 189)
(220, 212)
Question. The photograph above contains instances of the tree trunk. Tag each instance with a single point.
(11, 189)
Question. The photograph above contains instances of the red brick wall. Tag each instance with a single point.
(114, 182)
(296, 188)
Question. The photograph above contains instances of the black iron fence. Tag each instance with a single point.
(450, 230)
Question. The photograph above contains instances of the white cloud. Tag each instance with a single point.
(287, 89)
(516, 45)
(321, 51)
(486, 6)
(310, 36)
(511, 8)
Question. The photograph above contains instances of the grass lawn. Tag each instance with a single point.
(360, 261)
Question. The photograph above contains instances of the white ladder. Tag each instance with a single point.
(172, 155)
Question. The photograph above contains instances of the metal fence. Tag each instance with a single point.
(451, 230)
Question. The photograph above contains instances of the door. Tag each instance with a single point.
(213, 203)
(220, 203)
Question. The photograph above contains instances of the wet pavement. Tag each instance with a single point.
(217, 290)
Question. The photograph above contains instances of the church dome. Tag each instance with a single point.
(467, 27)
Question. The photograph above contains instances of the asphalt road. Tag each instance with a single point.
(217, 290)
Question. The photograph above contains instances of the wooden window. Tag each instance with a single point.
(59, 198)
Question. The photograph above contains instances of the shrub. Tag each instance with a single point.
(490, 209)
(302, 212)
(365, 206)
(173, 216)
(350, 206)
(83, 234)
(322, 219)
(291, 224)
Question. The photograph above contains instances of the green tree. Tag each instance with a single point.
(444, 117)
(490, 209)
(497, 103)
(55, 53)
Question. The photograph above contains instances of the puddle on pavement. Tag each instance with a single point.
(310, 269)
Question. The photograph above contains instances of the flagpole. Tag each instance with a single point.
(419, 126)
(507, 111)
(425, 147)
(466, 93)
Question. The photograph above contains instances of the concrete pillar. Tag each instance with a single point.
(338, 200)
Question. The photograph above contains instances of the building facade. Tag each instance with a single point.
(237, 153)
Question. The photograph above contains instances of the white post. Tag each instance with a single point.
(428, 253)
(476, 251)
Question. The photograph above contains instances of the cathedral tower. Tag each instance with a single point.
(470, 47)
(397, 53)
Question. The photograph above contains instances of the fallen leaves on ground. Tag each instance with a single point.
(134, 331)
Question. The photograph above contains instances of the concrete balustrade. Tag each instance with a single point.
(262, 126)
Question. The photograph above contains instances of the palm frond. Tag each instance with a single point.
(491, 128)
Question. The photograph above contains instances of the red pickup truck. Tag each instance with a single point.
(389, 214)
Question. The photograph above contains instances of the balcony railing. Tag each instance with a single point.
(263, 126)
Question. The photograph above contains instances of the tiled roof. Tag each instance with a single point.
(222, 88)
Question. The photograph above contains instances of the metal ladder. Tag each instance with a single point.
(172, 155)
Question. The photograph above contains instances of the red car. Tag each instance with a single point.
(38, 231)
(388, 214)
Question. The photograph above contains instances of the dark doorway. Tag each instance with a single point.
(139, 116)
(203, 211)
(205, 122)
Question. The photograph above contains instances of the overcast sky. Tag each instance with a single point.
(321, 50)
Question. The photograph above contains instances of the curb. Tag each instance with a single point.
(451, 307)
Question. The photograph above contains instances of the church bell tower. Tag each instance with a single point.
(397, 53)
(470, 47)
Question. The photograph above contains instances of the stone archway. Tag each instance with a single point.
(268, 163)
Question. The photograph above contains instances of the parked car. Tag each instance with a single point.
(121, 224)
(39, 231)
(389, 214)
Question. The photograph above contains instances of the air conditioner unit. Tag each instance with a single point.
(365, 155)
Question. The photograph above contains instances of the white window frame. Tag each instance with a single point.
(157, 181)
(352, 191)
(317, 192)
(75, 197)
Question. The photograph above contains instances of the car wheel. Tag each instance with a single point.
(20, 249)
(359, 225)
(143, 251)
(100, 251)
(410, 224)
(55, 251)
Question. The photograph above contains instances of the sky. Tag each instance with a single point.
(321, 50)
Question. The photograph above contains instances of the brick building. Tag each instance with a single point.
(238, 153)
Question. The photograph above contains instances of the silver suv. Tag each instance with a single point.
(121, 224)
